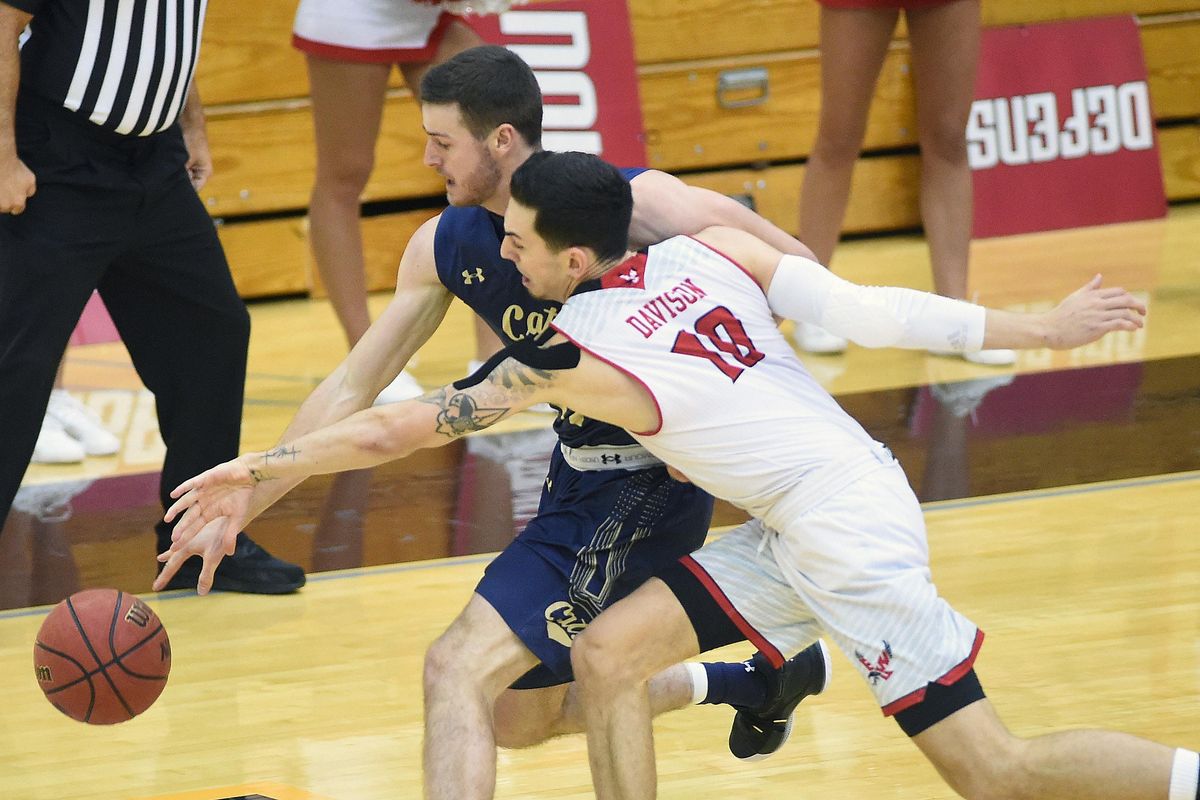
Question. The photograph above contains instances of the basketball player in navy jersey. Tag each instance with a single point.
(680, 345)
(610, 515)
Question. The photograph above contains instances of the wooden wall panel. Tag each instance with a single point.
(686, 128)
(884, 189)
(384, 239)
(265, 161)
(883, 192)
(267, 258)
(678, 30)
(1172, 52)
(272, 257)
(248, 55)
(1181, 161)
(683, 30)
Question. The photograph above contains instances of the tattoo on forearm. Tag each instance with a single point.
(485, 404)
(280, 452)
(260, 475)
(513, 374)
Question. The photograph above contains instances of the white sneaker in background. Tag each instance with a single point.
(404, 387)
(988, 358)
(992, 358)
(82, 424)
(55, 445)
(815, 339)
(49, 502)
(962, 398)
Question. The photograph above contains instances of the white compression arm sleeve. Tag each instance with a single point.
(873, 316)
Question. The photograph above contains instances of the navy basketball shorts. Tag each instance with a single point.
(597, 536)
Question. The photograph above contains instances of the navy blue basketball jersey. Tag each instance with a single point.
(466, 249)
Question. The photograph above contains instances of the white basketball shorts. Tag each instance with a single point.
(853, 568)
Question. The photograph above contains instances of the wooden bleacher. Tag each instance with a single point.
(260, 128)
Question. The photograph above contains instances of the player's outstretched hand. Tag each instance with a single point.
(1091, 312)
(212, 543)
(215, 505)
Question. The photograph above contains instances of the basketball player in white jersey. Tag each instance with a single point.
(679, 347)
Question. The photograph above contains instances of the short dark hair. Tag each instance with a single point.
(579, 200)
(491, 85)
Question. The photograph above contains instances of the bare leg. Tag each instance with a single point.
(347, 107)
(945, 54)
(613, 661)
(466, 669)
(978, 757)
(853, 45)
(459, 36)
(526, 717)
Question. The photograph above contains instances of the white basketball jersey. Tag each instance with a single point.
(741, 416)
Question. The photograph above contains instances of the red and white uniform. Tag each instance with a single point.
(374, 31)
(838, 545)
(741, 416)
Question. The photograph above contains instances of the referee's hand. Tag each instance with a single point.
(17, 185)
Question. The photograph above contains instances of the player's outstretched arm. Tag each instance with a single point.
(664, 206)
(887, 316)
(1084, 316)
(214, 503)
(411, 317)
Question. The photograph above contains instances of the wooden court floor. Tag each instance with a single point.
(1088, 588)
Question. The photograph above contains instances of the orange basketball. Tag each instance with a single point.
(102, 656)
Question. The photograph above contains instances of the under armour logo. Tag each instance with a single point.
(613, 459)
(629, 277)
(468, 277)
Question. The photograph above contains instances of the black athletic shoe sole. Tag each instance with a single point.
(757, 734)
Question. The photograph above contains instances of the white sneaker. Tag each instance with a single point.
(988, 358)
(815, 339)
(82, 424)
(55, 445)
(404, 387)
(49, 502)
(992, 358)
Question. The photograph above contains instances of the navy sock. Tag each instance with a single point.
(737, 684)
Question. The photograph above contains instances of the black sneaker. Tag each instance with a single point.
(758, 732)
(251, 570)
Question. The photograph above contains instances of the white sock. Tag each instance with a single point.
(1185, 776)
(699, 678)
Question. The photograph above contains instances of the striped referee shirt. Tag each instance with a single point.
(124, 64)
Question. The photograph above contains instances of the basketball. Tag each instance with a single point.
(102, 656)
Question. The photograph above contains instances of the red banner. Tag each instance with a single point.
(582, 53)
(1061, 134)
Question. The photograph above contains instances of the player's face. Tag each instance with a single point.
(472, 175)
(543, 273)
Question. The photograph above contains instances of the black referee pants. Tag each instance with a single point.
(118, 214)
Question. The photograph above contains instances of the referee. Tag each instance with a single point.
(102, 151)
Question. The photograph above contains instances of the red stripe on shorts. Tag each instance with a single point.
(769, 650)
(949, 679)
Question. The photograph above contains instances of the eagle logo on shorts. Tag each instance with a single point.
(877, 671)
